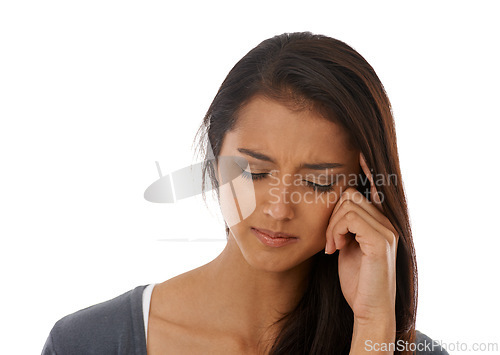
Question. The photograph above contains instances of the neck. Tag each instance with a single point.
(246, 300)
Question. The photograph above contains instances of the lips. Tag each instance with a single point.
(275, 234)
(276, 240)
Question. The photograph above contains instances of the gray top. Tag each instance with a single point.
(116, 326)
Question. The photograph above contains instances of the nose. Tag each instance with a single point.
(279, 206)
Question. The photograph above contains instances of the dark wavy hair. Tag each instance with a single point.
(302, 69)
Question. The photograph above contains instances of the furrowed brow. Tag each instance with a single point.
(310, 166)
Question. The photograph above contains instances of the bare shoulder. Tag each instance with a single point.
(179, 321)
(169, 314)
(173, 300)
(174, 318)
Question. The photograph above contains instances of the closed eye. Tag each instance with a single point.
(316, 187)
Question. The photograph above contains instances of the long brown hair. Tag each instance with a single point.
(302, 68)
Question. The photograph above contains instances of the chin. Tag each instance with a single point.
(271, 259)
(269, 263)
(266, 258)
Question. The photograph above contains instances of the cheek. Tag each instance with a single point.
(317, 214)
(237, 200)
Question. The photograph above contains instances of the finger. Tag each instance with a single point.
(330, 246)
(357, 197)
(373, 188)
(371, 242)
(376, 197)
(349, 206)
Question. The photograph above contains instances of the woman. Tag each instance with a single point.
(319, 256)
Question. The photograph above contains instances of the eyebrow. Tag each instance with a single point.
(312, 166)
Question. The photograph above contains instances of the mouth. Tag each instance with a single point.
(276, 239)
(275, 235)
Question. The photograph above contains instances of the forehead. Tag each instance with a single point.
(270, 126)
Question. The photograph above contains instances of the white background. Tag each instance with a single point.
(92, 93)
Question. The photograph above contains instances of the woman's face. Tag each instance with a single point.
(276, 142)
